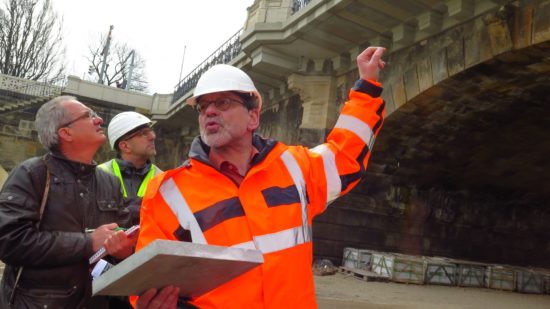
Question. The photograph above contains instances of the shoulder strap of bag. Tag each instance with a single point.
(42, 207)
(44, 197)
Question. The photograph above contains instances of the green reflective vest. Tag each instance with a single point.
(113, 168)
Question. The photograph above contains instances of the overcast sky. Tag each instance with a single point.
(158, 30)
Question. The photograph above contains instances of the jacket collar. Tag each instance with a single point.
(76, 168)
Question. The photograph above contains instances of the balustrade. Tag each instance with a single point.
(23, 88)
(227, 52)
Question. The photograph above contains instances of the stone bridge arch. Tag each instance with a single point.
(461, 166)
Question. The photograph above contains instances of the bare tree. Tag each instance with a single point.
(119, 60)
(30, 40)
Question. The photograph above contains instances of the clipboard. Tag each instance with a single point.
(195, 268)
(101, 253)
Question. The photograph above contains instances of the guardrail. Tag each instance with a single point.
(227, 52)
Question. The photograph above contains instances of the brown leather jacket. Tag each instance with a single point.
(55, 257)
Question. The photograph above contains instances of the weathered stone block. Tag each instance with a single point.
(430, 22)
(387, 96)
(439, 66)
(403, 34)
(523, 25)
(411, 83)
(424, 70)
(341, 62)
(486, 52)
(455, 57)
(318, 99)
(398, 92)
(461, 9)
(499, 37)
(472, 45)
(541, 23)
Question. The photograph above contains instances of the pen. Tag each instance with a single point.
(115, 229)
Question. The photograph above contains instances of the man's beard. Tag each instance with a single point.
(215, 140)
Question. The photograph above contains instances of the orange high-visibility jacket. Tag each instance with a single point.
(272, 209)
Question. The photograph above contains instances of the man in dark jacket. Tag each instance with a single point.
(83, 207)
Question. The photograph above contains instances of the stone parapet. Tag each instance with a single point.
(91, 90)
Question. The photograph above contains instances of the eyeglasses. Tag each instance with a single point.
(141, 133)
(221, 104)
(89, 114)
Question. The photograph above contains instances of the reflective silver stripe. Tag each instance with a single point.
(356, 126)
(296, 174)
(283, 240)
(266, 243)
(334, 184)
(175, 200)
(246, 245)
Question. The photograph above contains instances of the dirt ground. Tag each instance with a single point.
(341, 291)
(344, 291)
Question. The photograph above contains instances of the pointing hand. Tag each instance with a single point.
(370, 62)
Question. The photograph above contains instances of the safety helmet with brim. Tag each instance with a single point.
(223, 77)
(123, 124)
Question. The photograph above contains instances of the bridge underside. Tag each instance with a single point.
(460, 167)
(461, 170)
(484, 130)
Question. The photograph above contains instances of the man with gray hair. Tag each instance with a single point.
(57, 210)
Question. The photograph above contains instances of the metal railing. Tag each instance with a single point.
(227, 52)
(298, 5)
(24, 89)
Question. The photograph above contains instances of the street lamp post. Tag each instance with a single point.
(105, 53)
(131, 69)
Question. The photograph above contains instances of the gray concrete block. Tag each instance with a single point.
(195, 268)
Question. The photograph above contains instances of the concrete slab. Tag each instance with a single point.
(195, 268)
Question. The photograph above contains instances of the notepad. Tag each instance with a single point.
(101, 253)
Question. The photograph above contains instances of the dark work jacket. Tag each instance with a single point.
(55, 257)
(132, 178)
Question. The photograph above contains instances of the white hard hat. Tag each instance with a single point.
(223, 77)
(123, 123)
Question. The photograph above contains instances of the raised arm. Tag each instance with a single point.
(341, 162)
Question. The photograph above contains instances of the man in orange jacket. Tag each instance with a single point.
(241, 190)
